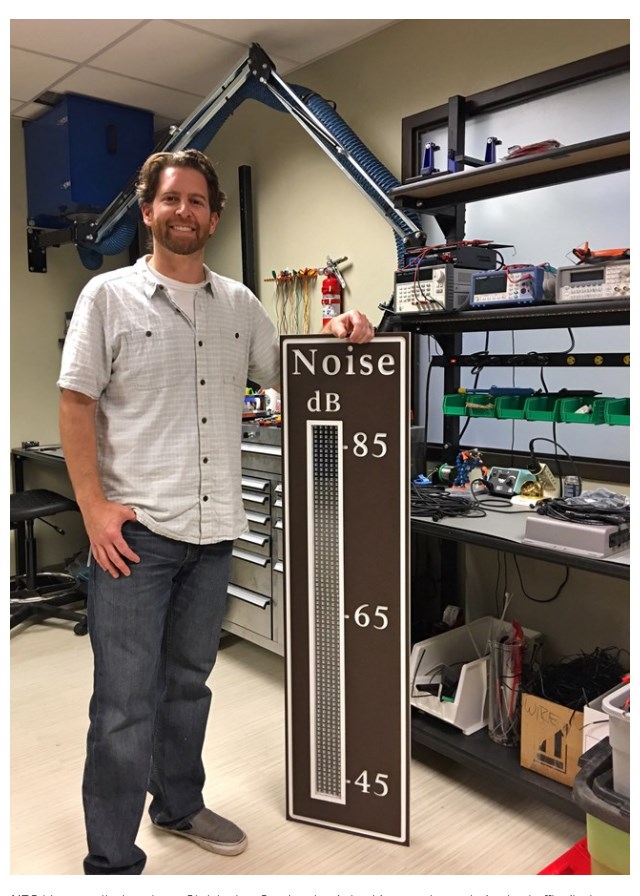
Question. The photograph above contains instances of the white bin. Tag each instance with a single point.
(463, 649)
(619, 736)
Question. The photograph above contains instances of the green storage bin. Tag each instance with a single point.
(510, 407)
(542, 407)
(481, 404)
(617, 411)
(570, 406)
(455, 405)
(608, 812)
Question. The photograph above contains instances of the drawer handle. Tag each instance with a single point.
(254, 538)
(278, 524)
(261, 518)
(278, 566)
(262, 449)
(255, 499)
(250, 482)
(251, 558)
(257, 600)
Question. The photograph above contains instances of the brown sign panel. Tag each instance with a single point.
(346, 475)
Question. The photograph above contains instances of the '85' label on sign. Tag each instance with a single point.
(345, 456)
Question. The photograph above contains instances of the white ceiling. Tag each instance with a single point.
(166, 66)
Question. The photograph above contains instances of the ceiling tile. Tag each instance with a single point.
(171, 104)
(75, 39)
(165, 53)
(295, 40)
(31, 74)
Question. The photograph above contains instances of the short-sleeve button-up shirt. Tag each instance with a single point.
(170, 395)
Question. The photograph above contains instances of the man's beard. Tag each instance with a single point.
(179, 245)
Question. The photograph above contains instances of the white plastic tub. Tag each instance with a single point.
(463, 649)
(619, 736)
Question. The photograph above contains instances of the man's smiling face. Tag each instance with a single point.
(180, 216)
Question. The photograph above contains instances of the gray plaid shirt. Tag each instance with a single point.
(170, 395)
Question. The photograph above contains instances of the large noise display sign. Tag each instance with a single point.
(346, 475)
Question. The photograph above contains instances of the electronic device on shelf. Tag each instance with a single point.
(441, 287)
(576, 538)
(513, 285)
(476, 255)
(602, 282)
(508, 481)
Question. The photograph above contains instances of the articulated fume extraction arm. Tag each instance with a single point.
(255, 78)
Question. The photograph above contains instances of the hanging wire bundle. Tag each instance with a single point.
(293, 310)
(576, 680)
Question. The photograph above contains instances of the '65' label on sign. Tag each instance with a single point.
(345, 456)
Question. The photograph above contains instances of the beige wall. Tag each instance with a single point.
(304, 207)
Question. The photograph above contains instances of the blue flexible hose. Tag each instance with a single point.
(122, 234)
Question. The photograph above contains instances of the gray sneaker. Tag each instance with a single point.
(212, 832)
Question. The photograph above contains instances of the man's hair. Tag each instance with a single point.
(147, 185)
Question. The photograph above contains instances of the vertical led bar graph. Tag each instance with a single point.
(326, 610)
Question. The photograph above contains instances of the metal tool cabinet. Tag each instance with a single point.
(255, 608)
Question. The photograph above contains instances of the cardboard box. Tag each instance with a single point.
(550, 739)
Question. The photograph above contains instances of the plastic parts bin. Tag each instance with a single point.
(618, 411)
(455, 405)
(463, 652)
(510, 407)
(570, 406)
(608, 813)
(619, 736)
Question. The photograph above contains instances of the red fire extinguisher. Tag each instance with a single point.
(332, 286)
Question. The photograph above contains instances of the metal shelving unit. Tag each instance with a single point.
(445, 196)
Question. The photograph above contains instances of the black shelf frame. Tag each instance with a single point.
(445, 196)
(433, 195)
(614, 313)
(442, 530)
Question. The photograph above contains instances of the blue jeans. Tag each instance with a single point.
(155, 637)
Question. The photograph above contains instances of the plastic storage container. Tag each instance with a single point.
(608, 813)
(481, 404)
(619, 736)
(570, 406)
(510, 407)
(617, 411)
(461, 653)
(455, 405)
(542, 407)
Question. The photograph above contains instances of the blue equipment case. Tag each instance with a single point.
(80, 155)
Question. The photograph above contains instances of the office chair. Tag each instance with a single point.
(35, 594)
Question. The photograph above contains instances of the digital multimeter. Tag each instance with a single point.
(521, 285)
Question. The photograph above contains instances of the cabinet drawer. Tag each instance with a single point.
(255, 542)
(255, 484)
(249, 610)
(258, 522)
(251, 571)
(262, 458)
(252, 500)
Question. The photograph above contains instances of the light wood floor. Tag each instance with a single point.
(461, 824)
